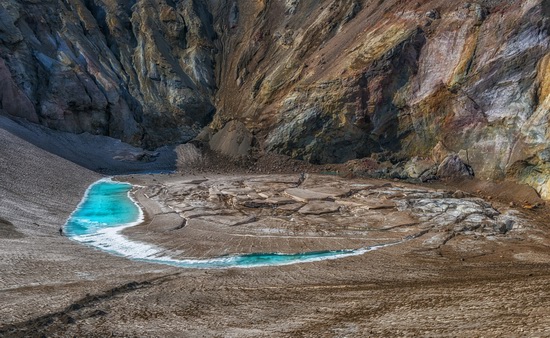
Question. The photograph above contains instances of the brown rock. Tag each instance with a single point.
(304, 195)
(331, 82)
(319, 208)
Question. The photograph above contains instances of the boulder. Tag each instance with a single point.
(433, 14)
(459, 194)
(416, 167)
(453, 167)
(398, 172)
(440, 152)
(319, 208)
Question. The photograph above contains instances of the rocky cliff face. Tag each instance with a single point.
(142, 72)
(320, 80)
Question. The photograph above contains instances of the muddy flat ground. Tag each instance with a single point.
(463, 266)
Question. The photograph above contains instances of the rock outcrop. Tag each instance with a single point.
(139, 72)
(319, 80)
(453, 167)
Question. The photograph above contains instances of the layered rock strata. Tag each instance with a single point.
(141, 72)
(324, 81)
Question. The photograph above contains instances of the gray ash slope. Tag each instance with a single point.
(98, 153)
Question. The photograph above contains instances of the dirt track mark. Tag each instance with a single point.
(7, 230)
(80, 309)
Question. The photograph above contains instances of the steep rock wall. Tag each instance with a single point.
(394, 80)
(319, 80)
(111, 67)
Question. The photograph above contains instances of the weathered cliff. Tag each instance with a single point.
(140, 72)
(320, 80)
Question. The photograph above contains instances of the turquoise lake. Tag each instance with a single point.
(106, 204)
(107, 209)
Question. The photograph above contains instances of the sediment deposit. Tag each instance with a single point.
(450, 276)
(215, 216)
(464, 264)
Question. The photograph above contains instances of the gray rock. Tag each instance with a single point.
(234, 15)
(233, 140)
(416, 167)
(433, 14)
(453, 167)
(154, 73)
(429, 175)
(88, 68)
(398, 172)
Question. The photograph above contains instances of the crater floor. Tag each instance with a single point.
(463, 266)
(212, 216)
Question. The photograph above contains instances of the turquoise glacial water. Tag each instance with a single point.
(106, 204)
(107, 209)
(257, 259)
